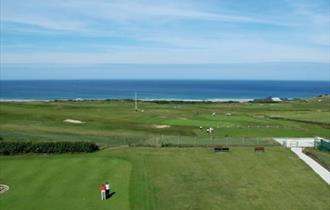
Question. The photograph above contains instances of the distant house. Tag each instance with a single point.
(270, 99)
(275, 99)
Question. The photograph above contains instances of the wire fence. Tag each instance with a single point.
(157, 140)
(191, 141)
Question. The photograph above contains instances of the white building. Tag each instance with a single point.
(296, 142)
(277, 99)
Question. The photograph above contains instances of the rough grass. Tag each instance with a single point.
(116, 121)
(171, 178)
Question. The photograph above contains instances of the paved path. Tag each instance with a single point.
(320, 170)
(296, 142)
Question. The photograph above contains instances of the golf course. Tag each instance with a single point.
(117, 123)
(164, 105)
(161, 157)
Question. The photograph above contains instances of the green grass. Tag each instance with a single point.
(171, 178)
(63, 182)
(115, 122)
(164, 178)
(323, 157)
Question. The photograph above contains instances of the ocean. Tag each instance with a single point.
(194, 90)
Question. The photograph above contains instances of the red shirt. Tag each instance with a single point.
(102, 188)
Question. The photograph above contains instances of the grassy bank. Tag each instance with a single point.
(171, 178)
(322, 157)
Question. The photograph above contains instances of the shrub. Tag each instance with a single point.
(324, 146)
(16, 147)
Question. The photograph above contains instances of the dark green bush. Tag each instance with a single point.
(15, 147)
(324, 146)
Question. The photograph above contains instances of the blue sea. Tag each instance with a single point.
(212, 90)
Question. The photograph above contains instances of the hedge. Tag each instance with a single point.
(15, 147)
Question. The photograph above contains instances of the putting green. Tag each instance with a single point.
(63, 182)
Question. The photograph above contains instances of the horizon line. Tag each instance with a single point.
(210, 63)
(159, 79)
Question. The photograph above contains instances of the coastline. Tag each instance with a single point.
(129, 99)
(158, 100)
(159, 91)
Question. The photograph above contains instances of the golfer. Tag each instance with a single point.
(107, 189)
(102, 190)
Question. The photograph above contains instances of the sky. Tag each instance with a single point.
(165, 39)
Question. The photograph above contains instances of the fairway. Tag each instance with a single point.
(170, 178)
(116, 122)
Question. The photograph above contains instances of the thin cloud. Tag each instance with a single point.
(227, 53)
(161, 32)
(55, 16)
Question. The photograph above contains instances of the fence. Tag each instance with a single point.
(184, 141)
(166, 140)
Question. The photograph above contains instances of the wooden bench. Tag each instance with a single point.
(259, 149)
(221, 149)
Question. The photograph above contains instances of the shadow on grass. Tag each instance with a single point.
(110, 195)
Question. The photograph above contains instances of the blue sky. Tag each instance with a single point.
(241, 39)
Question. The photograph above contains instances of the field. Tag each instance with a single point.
(171, 178)
(116, 122)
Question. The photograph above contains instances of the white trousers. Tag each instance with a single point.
(103, 195)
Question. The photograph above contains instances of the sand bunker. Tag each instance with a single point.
(73, 121)
(161, 126)
(3, 188)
